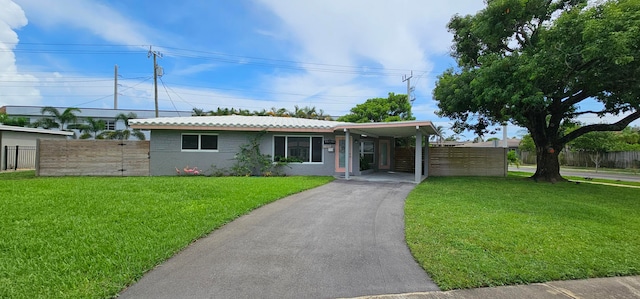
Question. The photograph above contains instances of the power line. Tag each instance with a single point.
(170, 99)
(218, 56)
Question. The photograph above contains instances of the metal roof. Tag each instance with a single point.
(234, 122)
(281, 124)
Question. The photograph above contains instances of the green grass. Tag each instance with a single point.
(579, 179)
(475, 232)
(89, 237)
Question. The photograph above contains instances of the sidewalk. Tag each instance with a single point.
(595, 288)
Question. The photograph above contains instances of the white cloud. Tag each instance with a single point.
(394, 35)
(13, 85)
(89, 15)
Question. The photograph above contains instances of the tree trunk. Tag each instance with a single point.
(548, 166)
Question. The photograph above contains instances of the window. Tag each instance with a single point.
(297, 148)
(199, 142)
(109, 125)
(367, 152)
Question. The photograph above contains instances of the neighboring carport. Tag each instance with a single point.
(419, 129)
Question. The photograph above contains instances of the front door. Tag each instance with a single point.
(384, 161)
(340, 155)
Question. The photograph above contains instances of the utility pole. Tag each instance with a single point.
(155, 75)
(115, 88)
(409, 89)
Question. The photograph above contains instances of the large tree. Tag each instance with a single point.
(395, 107)
(541, 64)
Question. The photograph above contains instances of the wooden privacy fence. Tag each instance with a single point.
(467, 161)
(92, 157)
(456, 161)
(404, 159)
(623, 160)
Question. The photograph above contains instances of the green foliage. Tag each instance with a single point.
(603, 142)
(90, 129)
(364, 164)
(393, 108)
(597, 142)
(512, 158)
(71, 237)
(13, 121)
(527, 144)
(249, 160)
(304, 112)
(533, 62)
(630, 136)
(126, 133)
(60, 120)
(467, 235)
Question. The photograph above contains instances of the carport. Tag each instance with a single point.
(419, 129)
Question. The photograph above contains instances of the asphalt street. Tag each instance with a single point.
(343, 239)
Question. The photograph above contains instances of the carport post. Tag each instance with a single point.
(426, 156)
(418, 159)
(347, 161)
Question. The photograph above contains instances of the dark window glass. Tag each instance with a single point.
(190, 142)
(208, 142)
(278, 151)
(298, 148)
(109, 125)
(316, 151)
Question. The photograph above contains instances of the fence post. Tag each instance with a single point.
(6, 157)
(15, 166)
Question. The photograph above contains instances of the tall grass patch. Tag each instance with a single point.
(476, 232)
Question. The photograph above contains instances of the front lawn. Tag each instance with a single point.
(475, 232)
(89, 237)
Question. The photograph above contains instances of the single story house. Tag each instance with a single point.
(23, 141)
(320, 146)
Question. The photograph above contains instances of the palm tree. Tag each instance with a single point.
(198, 112)
(282, 112)
(322, 116)
(126, 133)
(60, 119)
(90, 129)
(438, 136)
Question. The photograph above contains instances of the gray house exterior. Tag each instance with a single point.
(208, 142)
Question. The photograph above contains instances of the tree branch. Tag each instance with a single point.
(506, 48)
(574, 99)
(617, 126)
(591, 112)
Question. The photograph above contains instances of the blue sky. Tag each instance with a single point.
(249, 54)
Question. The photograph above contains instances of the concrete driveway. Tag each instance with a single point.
(343, 239)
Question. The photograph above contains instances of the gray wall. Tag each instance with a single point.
(166, 154)
(325, 168)
(11, 138)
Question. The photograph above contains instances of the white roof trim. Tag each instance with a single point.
(235, 122)
(34, 130)
(281, 124)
